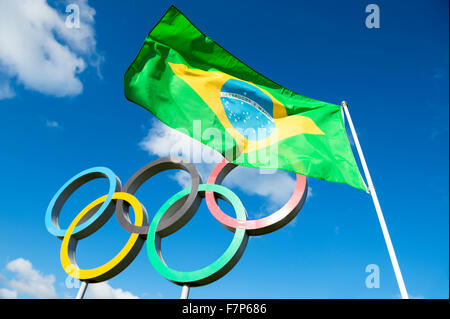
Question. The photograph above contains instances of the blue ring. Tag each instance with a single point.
(90, 225)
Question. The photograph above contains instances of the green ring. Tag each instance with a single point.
(219, 267)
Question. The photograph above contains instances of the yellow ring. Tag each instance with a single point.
(115, 265)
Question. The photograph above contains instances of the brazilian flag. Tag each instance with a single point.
(192, 84)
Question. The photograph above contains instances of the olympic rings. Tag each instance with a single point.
(120, 261)
(91, 223)
(173, 215)
(218, 268)
(259, 226)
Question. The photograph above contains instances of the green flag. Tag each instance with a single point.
(193, 85)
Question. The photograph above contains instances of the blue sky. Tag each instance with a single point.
(56, 122)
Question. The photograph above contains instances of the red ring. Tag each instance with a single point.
(260, 226)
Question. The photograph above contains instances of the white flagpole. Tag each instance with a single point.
(82, 290)
(185, 292)
(371, 189)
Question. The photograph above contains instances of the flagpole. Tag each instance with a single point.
(185, 292)
(82, 290)
(371, 189)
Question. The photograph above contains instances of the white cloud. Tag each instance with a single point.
(38, 50)
(7, 294)
(157, 295)
(29, 281)
(103, 290)
(162, 140)
(277, 187)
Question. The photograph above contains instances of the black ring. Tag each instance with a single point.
(179, 214)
